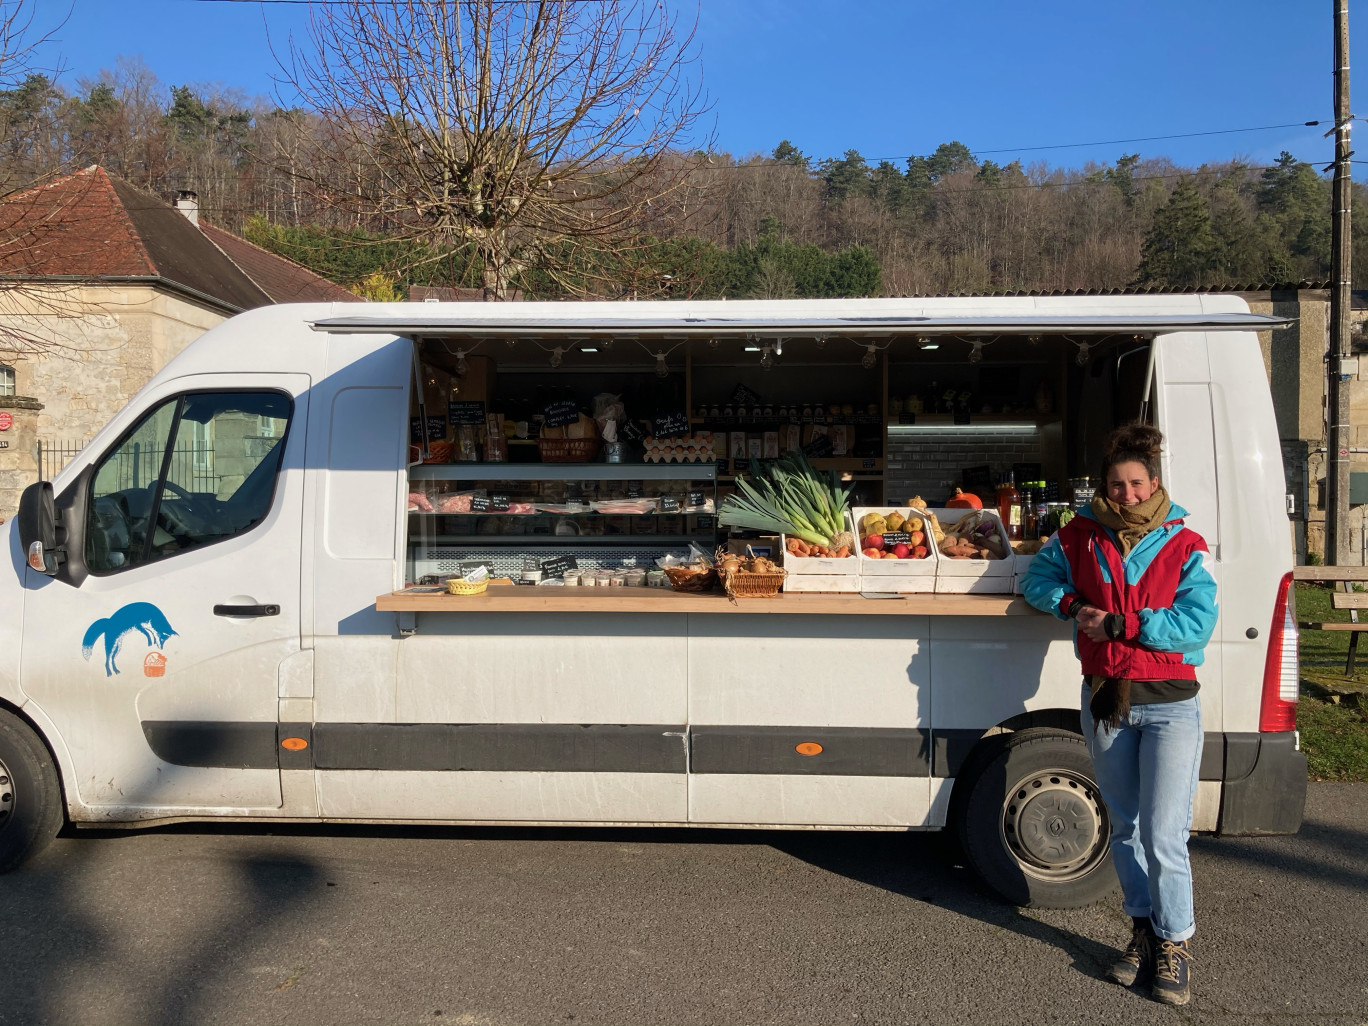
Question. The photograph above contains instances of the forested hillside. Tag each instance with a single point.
(769, 225)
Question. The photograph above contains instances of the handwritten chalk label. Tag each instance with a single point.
(436, 429)
(632, 431)
(556, 566)
(633, 489)
(868, 464)
(892, 538)
(498, 503)
(669, 504)
(479, 504)
(561, 413)
(671, 425)
(470, 413)
(468, 568)
(722, 464)
(705, 522)
(743, 396)
(697, 499)
(741, 466)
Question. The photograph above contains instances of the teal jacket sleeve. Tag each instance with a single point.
(1049, 579)
(1187, 625)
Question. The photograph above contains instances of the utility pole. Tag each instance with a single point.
(1341, 273)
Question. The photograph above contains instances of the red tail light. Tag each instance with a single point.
(1279, 708)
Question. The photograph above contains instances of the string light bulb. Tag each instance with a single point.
(779, 347)
(606, 344)
(662, 369)
(1033, 340)
(1084, 353)
(713, 343)
(767, 358)
(976, 352)
(461, 366)
(557, 356)
(870, 357)
(821, 341)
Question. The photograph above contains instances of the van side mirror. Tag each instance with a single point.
(36, 523)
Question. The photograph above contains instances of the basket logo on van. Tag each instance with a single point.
(142, 617)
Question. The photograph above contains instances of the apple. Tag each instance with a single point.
(873, 541)
(902, 551)
(919, 552)
(888, 555)
(871, 553)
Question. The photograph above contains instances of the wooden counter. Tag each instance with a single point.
(515, 599)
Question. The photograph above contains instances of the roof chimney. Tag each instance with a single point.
(187, 202)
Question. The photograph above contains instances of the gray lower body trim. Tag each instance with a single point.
(845, 751)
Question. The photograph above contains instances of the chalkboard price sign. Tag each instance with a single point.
(557, 566)
(671, 425)
(868, 464)
(436, 428)
(469, 413)
(819, 446)
(697, 499)
(668, 504)
(705, 522)
(741, 466)
(468, 568)
(632, 431)
(561, 413)
(479, 504)
(722, 464)
(743, 396)
(892, 538)
(633, 489)
(498, 503)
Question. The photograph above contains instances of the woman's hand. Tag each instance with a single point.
(1090, 620)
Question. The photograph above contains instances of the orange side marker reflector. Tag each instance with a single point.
(294, 744)
(808, 748)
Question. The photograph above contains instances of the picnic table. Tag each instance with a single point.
(1343, 598)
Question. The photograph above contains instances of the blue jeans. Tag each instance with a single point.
(1147, 772)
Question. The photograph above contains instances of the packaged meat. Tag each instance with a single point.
(419, 503)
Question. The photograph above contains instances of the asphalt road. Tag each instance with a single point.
(481, 927)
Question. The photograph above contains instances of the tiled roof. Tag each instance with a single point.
(1141, 290)
(282, 279)
(93, 225)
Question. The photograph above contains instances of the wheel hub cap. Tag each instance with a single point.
(1053, 822)
(6, 796)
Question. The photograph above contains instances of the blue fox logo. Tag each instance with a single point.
(143, 617)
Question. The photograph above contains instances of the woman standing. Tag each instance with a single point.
(1131, 576)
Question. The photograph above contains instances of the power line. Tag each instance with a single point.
(1154, 138)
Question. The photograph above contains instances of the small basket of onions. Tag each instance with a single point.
(750, 576)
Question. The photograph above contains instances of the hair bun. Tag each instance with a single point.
(1139, 442)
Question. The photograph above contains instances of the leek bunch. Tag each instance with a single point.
(789, 497)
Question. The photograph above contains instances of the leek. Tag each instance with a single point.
(787, 496)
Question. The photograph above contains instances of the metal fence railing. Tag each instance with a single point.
(192, 467)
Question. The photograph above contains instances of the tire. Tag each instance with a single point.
(30, 794)
(1032, 823)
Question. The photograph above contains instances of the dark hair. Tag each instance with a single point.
(1133, 443)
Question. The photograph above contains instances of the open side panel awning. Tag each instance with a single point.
(474, 325)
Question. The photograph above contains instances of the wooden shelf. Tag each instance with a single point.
(509, 598)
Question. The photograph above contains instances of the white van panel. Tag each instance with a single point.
(361, 462)
(1190, 471)
(355, 679)
(566, 668)
(988, 669)
(757, 798)
(504, 797)
(810, 671)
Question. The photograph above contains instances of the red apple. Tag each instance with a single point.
(871, 553)
(873, 541)
(902, 551)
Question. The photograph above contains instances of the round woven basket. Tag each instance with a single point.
(690, 578)
(456, 586)
(748, 584)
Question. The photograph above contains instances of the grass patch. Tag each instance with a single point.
(1334, 735)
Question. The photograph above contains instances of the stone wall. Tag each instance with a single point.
(101, 344)
(18, 464)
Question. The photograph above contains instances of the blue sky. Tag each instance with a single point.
(889, 77)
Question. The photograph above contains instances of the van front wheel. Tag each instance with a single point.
(30, 796)
(1032, 822)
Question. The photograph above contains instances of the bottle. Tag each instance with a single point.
(1009, 506)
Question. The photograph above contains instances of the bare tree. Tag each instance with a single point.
(525, 129)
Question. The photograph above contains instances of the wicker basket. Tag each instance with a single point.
(691, 578)
(567, 450)
(456, 586)
(748, 584)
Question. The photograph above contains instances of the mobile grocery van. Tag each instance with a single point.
(224, 608)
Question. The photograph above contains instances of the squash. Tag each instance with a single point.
(964, 500)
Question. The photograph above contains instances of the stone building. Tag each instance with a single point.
(101, 284)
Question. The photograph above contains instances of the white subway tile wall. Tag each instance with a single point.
(928, 462)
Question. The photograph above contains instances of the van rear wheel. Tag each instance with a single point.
(30, 795)
(1032, 822)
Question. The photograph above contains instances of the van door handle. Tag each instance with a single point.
(246, 610)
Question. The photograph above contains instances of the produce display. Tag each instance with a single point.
(881, 536)
(749, 576)
(789, 497)
(977, 535)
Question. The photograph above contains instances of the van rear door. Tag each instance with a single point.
(160, 664)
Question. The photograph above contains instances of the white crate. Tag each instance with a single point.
(821, 566)
(839, 584)
(899, 576)
(975, 576)
(1020, 564)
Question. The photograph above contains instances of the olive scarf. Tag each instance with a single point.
(1109, 700)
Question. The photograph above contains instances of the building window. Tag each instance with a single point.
(6, 380)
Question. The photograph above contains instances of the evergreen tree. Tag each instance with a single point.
(1180, 249)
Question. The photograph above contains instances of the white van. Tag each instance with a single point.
(183, 641)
